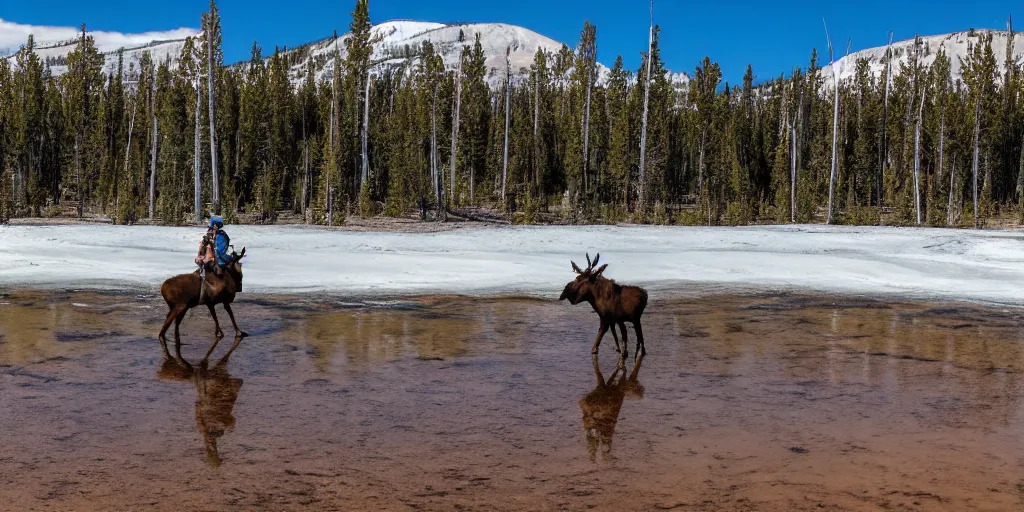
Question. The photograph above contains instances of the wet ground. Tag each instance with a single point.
(742, 403)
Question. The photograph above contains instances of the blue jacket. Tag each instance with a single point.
(220, 247)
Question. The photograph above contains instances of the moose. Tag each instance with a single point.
(615, 304)
(185, 291)
(601, 406)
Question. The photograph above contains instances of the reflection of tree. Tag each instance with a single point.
(602, 405)
(216, 393)
(377, 335)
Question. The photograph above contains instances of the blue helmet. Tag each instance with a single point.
(216, 221)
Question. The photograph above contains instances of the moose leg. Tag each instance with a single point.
(616, 338)
(177, 324)
(238, 332)
(218, 333)
(640, 348)
(163, 330)
(600, 334)
(625, 340)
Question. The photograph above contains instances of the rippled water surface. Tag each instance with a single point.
(742, 403)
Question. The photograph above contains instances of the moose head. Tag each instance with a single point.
(234, 266)
(582, 288)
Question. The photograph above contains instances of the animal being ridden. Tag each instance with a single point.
(184, 292)
(615, 304)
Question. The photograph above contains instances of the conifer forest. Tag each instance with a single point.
(169, 142)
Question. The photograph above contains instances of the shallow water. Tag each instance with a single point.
(742, 403)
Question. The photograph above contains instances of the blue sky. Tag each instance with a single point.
(763, 33)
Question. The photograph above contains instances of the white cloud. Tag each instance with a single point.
(13, 36)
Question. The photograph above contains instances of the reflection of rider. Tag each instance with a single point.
(602, 405)
(213, 249)
(216, 393)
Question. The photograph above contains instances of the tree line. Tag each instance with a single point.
(913, 145)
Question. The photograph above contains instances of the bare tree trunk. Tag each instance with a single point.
(455, 131)
(152, 151)
(536, 132)
(78, 173)
(435, 173)
(586, 131)
(328, 199)
(642, 195)
(127, 151)
(952, 186)
(792, 174)
(364, 143)
(917, 160)
(883, 147)
(197, 196)
(215, 179)
(508, 101)
(700, 159)
(974, 159)
(305, 165)
(835, 127)
(942, 136)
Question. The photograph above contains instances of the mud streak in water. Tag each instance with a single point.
(742, 403)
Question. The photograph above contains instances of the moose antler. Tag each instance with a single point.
(589, 264)
(575, 268)
(596, 259)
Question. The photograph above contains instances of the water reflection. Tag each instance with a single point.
(216, 393)
(601, 406)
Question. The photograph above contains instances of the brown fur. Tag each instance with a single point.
(615, 304)
(182, 293)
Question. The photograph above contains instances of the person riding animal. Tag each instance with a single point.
(213, 249)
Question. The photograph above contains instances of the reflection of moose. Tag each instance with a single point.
(216, 392)
(601, 406)
(614, 303)
(183, 292)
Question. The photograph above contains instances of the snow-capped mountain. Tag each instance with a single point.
(955, 46)
(56, 55)
(391, 38)
(53, 44)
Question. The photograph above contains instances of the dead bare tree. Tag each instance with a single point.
(883, 147)
(215, 182)
(435, 173)
(508, 101)
(642, 196)
(364, 135)
(152, 150)
(195, 155)
(952, 187)
(974, 159)
(455, 129)
(917, 159)
(835, 124)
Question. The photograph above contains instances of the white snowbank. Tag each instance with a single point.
(926, 263)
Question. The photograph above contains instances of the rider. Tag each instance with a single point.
(213, 250)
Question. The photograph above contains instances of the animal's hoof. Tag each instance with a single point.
(242, 334)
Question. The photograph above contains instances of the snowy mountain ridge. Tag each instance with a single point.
(955, 46)
(392, 38)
